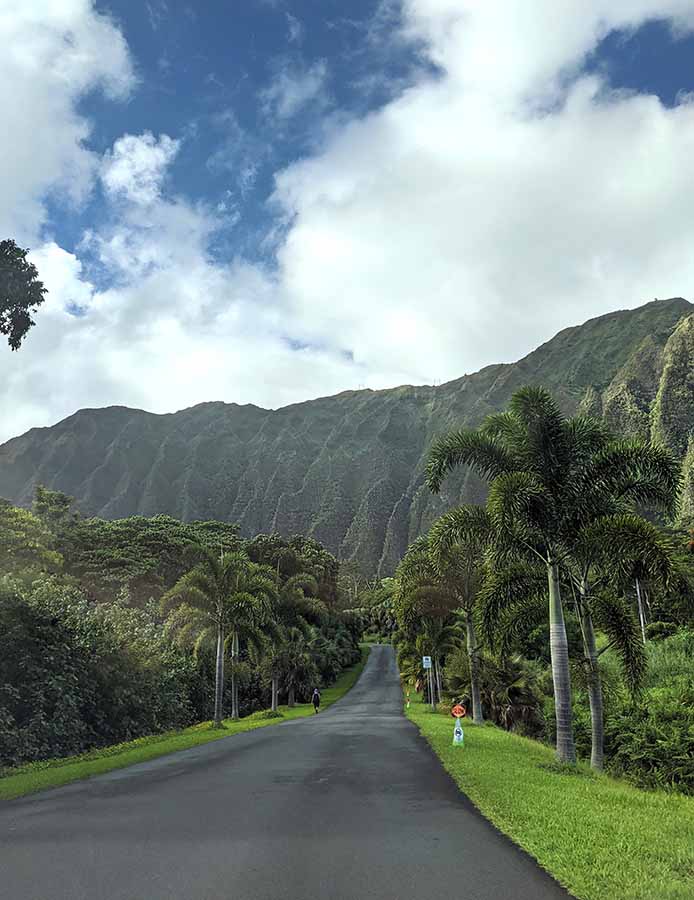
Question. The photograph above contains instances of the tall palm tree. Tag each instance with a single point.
(549, 478)
(297, 606)
(458, 543)
(528, 455)
(222, 600)
(295, 663)
(424, 604)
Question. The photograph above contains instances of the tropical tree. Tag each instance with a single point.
(458, 543)
(605, 555)
(424, 604)
(21, 293)
(549, 478)
(297, 606)
(225, 600)
(527, 455)
(298, 672)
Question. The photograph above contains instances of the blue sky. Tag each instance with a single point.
(275, 200)
(202, 70)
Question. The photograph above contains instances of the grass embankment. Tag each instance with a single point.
(601, 838)
(55, 772)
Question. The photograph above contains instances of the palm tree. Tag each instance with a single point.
(222, 599)
(297, 606)
(424, 605)
(295, 663)
(550, 478)
(458, 542)
(528, 455)
(606, 555)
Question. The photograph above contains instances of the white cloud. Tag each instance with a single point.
(136, 166)
(462, 224)
(52, 54)
(482, 211)
(292, 89)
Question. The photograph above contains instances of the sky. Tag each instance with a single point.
(267, 201)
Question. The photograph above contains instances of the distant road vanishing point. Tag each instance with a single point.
(348, 805)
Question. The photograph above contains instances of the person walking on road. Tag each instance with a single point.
(316, 699)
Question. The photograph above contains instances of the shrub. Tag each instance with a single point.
(652, 744)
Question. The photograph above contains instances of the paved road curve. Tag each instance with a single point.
(347, 805)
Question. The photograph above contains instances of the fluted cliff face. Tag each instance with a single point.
(348, 469)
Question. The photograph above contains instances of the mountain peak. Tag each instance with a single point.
(348, 469)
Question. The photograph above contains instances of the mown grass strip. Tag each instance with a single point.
(601, 838)
(55, 772)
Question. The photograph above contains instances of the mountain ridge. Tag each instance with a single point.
(347, 468)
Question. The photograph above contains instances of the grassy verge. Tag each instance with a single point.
(601, 838)
(55, 772)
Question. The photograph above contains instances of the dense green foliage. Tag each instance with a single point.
(561, 521)
(345, 470)
(88, 658)
(74, 675)
(21, 292)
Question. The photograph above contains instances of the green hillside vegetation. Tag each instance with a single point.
(348, 470)
(556, 609)
(90, 657)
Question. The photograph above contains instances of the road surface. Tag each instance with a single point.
(350, 804)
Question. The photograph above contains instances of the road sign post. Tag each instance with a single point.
(426, 665)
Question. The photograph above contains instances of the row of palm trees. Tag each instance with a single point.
(563, 525)
(230, 603)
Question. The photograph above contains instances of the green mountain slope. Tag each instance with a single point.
(348, 469)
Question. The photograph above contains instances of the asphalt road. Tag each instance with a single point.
(346, 805)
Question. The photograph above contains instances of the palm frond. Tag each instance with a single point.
(516, 502)
(468, 526)
(615, 617)
(502, 590)
(630, 546)
(485, 454)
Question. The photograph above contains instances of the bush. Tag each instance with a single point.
(652, 744)
(75, 675)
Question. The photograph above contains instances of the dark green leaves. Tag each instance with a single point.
(21, 293)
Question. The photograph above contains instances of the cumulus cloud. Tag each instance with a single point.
(463, 223)
(135, 168)
(483, 210)
(53, 53)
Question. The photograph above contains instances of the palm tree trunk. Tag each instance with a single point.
(274, 695)
(473, 656)
(219, 678)
(590, 651)
(290, 697)
(559, 648)
(234, 686)
(642, 615)
(437, 669)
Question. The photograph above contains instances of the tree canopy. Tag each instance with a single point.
(21, 292)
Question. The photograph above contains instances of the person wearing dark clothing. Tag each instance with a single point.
(316, 699)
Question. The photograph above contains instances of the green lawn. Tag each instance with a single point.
(601, 838)
(52, 773)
